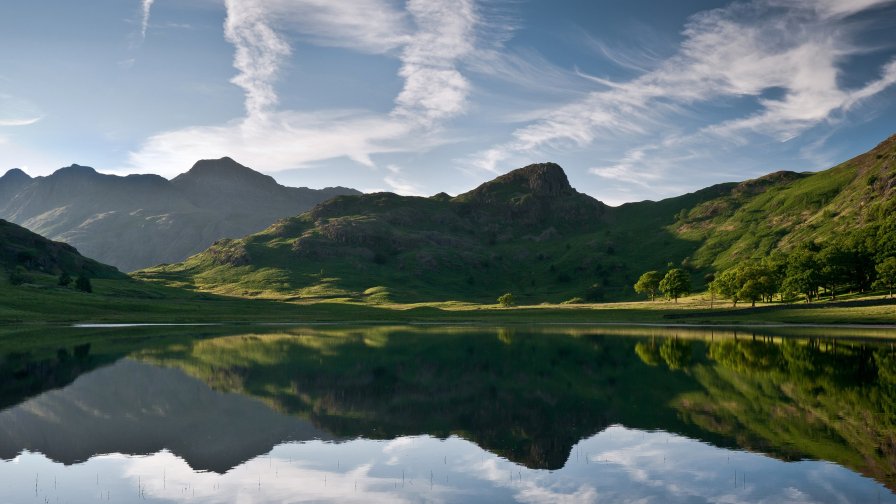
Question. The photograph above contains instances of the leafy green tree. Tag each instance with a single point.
(64, 279)
(886, 275)
(83, 283)
(803, 273)
(834, 260)
(675, 284)
(506, 300)
(726, 285)
(747, 282)
(776, 267)
(649, 283)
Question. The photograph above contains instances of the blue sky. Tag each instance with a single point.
(636, 99)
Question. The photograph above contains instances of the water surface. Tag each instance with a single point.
(440, 414)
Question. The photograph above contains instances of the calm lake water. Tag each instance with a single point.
(258, 414)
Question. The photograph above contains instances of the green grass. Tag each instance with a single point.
(136, 301)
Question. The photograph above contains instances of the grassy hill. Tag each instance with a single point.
(27, 252)
(783, 209)
(530, 233)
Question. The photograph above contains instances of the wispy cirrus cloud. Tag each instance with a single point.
(430, 39)
(16, 111)
(736, 52)
(145, 10)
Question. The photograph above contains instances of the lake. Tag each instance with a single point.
(264, 414)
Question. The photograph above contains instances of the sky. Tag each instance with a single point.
(635, 100)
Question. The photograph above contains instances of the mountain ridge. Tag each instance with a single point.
(136, 221)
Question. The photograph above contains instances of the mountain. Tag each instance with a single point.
(20, 248)
(530, 233)
(142, 220)
(135, 408)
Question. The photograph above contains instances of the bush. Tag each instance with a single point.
(19, 276)
(506, 300)
(64, 279)
(83, 284)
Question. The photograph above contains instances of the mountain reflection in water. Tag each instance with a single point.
(462, 413)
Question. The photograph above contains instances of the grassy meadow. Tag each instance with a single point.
(135, 301)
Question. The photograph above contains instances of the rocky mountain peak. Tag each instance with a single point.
(14, 175)
(224, 169)
(541, 180)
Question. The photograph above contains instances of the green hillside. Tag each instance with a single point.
(785, 209)
(29, 253)
(528, 232)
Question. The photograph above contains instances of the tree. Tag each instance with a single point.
(748, 282)
(83, 284)
(834, 260)
(726, 285)
(675, 284)
(649, 283)
(506, 300)
(803, 273)
(19, 276)
(64, 279)
(886, 275)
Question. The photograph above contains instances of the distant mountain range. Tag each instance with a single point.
(530, 233)
(138, 221)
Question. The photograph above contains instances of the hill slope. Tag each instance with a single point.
(141, 220)
(530, 233)
(22, 249)
(785, 208)
(527, 231)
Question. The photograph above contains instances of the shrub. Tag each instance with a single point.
(506, 300)
(83, 284)
(19, 276)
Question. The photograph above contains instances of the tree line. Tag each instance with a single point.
(809, 271)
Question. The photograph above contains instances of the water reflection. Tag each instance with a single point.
(616, 465)
(465, 414)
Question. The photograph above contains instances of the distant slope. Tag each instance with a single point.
(142, 220)
(20, 248)
(528, 232)
(782, 209)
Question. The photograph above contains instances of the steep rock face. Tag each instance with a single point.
(544, 180)
(536, 196)
(141, 220)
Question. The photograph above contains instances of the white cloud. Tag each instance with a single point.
(399, 183)
(146, 7)
(276, 141)
(259, 52)
(26, 121)
(742, 50)
(16, 111)
(434, 36)
(434, 89)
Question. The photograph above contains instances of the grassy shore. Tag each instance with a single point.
(133, 301)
